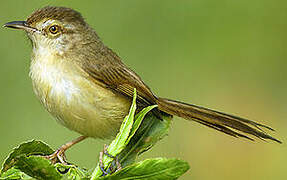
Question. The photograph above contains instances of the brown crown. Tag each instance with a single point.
(56, 13)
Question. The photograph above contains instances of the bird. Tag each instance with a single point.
(86, 86)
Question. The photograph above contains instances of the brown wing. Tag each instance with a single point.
(109, 71)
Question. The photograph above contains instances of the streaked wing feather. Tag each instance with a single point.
(122, 80)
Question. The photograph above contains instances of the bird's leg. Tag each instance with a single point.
(105, 152)
(101, 164)
(59, 154)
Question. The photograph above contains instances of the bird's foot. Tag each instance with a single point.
(58, 156)
(111, 169)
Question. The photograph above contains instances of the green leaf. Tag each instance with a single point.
(150, 132)
(27, 148)
(14, 173)
(121, 140)
(37, 167)
(135, 138)
(139, 117)
(152, 169)
(73, 172)
(26, 160)
(127, 130)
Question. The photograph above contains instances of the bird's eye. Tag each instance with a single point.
(54, 29)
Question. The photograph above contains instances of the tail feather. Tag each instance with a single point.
(228, 124)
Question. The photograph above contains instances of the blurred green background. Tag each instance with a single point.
(226, 55)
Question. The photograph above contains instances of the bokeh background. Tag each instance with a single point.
(226, 55)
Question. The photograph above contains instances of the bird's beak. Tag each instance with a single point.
(18, 25)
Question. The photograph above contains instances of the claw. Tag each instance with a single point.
(105, 152)
(59, 155)
(102, 167)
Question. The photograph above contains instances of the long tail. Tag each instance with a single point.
(229, 124)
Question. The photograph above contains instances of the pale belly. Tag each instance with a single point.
(77, 103)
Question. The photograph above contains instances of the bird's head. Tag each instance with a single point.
(56, 28)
